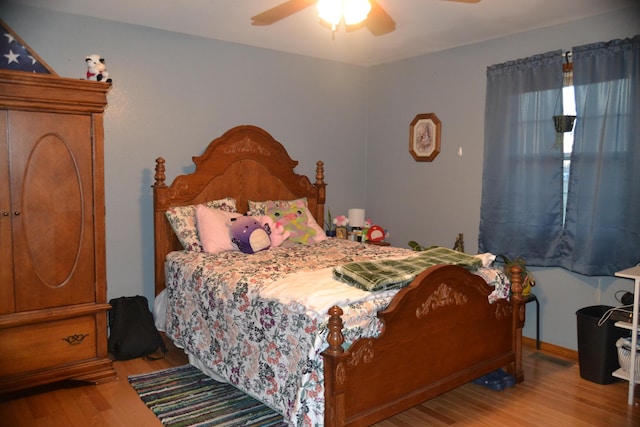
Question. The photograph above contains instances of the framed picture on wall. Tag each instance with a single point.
(424, 137)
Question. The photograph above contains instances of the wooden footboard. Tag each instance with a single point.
(438, 333)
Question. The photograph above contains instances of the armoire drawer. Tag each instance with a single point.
(43, 345)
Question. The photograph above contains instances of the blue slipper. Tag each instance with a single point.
(491, 380)
(508, 379)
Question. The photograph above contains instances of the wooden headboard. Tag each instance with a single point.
(246, 163)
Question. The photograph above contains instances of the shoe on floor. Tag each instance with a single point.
(508, 379)
(492, 381)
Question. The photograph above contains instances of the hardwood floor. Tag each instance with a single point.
(553, 394)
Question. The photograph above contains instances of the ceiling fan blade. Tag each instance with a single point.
(281, 11)
(379, 22)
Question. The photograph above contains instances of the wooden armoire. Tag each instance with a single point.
(53, 296)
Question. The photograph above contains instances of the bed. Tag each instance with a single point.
(353, 363)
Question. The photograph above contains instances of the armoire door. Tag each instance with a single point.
(6, 241)
(51, 163)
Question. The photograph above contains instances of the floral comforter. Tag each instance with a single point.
(266, 348)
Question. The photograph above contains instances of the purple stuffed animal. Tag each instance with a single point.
(249, 235)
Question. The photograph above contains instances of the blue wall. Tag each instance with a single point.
(432, 202)
(174, 93)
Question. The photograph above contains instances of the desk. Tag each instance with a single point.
(527, 300)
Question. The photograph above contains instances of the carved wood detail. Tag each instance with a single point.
(363, 353)
(160, 176)
(503, 311)
(341, 374)
(444, 296)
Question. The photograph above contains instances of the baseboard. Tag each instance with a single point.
(552, 349)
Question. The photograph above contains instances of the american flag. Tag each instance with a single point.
(16, 55)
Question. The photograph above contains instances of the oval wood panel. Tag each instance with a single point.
(53, 210)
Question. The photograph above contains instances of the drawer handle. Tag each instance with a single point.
(75, 339)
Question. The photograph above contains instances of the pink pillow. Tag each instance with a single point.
(214, 229)
(311, 222)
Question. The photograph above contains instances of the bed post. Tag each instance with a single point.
(518, 303)
(160, 247)
(320, 187)
(333, 372)
(159, 176)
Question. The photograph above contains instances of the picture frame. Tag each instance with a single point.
(341, 232)
(424, 137)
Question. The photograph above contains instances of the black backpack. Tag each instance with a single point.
(133, 332)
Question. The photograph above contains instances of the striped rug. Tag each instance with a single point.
(184, 396)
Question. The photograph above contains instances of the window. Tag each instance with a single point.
(568, 109)
(573, 203)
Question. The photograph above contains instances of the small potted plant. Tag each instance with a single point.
(527, 278)
(329, 225)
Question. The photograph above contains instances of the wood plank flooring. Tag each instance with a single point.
(553, 394)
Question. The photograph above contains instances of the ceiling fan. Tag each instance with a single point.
(379, 22)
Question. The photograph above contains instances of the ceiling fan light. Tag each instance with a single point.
(356, 11)
(330, 11)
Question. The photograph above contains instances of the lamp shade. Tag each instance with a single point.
(356, 218)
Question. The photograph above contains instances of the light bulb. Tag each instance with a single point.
(330, 11)
(353, 11)
(356, 11)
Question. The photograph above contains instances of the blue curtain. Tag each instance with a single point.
(521, 209)
(602, 231)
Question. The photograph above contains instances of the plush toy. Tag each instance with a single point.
(375, 233)
(249, 235)
(294, 219)
(96, 69)
(277, 232)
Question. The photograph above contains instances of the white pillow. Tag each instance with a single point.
(214, 229)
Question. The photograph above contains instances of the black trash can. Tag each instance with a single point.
(597, 353)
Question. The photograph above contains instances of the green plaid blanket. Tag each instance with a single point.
(396, 273)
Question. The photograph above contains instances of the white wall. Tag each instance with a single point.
(433, 202)
(173, 93)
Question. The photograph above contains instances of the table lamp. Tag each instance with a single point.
(356, 221)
